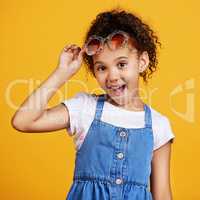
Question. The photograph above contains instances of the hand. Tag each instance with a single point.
(71, 59)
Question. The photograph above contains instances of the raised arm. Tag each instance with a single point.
(32, 115)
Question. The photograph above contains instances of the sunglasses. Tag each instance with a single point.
(115, 40)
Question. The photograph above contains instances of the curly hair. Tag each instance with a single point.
(117, 19)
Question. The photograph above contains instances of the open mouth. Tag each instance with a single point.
(117, 90)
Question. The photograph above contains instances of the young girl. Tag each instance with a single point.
(122, 143)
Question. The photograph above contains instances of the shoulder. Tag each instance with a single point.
(158, 118)
(162, 129)
(80, 99)
(81, 105)
(81, 109)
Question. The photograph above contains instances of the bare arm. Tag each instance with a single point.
(33, 116)
(160, 176)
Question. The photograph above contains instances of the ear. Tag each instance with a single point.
(143, 61)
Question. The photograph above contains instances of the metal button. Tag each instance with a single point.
(120, 155)
(118, 181)
(122, 133)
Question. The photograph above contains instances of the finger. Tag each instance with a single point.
(74, 46)
(72, 49)
(70, 46)
(66, 47)
(76, 52)
(80, 56)
(81, 52)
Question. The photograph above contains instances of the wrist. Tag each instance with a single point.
(62, 73)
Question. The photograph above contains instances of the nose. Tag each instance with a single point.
(113, 75)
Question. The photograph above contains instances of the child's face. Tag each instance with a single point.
(117, 72)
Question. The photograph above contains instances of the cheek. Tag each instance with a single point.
(133, 66)
(100, 79)
(131, 76)
(131, 73)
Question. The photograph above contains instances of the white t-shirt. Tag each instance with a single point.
(82, 109)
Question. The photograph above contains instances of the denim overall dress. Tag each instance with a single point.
(113, 163)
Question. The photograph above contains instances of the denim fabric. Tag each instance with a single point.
(113, 163)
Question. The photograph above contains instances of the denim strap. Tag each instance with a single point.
(148, 120)
(99, 106)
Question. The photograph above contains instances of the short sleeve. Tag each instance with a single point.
(163, 134)
(75, 107)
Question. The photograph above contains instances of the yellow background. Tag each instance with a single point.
(40, 166)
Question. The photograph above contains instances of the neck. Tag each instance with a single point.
(133, 103)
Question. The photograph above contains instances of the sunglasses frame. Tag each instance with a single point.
(104, 40)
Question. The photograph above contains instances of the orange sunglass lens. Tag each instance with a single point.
(116, 41)
(93, 46)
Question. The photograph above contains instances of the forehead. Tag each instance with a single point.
(107, 55)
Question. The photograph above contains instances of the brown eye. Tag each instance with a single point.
(101, 68)
(122, 64)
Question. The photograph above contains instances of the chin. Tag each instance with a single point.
(119, 100)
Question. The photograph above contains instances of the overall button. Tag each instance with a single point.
(118, 181)
(120, 155)
(122, 133)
